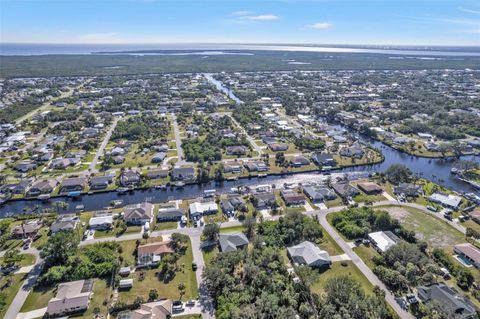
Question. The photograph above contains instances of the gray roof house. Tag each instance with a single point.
(138, 214)
(232, 242)
(159, 157)
(170, 213)
(42, 187)
(64, 223)
(319, 193)
(129, 177)
(307, 253)
(71, 297)
(183, 173)
(73, 184)
(345, 190)
(458, 305)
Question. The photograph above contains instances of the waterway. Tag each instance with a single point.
(437, 170)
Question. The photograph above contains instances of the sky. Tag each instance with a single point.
(394, 22)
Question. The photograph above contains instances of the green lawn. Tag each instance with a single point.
(366, 254)
(166, 225)
(38, 298)
(11, 290)
(165, 289)
(330, 245)
(336, 270)
(27, 260)
(234, 229)
(436, 232)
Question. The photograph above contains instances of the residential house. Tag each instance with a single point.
(356, 151)
(199, 209)
(470, 252)
(17, 188)
(318, 194)
(161, 309)
(25, 166)
(183, 174)
(448, 298)
(383, 240)
(71, 297)
(232, 242)
(159, 157)
(157, 173)
(446, 200)
(138, 214)
(370, 188)
(170, 213)
(232, 168)
(101, 182)
(278, 147)
(307, 253)
(345, 190)
(292, 198)
(475, 216)
(73, 184)
(298, 161)
(323, 159)
(150, 254)
(227, 207)
(407, 189)
(264, 200)
(236, 150)
(42, 187)
(64, 223)
(101, 222)
(28, 229)
(129, 178)
(256, 166)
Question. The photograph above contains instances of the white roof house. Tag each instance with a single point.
(307, 253)
(105, 221)
(383, 240)
(450, 201)
(198, 209)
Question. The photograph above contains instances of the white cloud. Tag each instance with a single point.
(261, 17)
(321, 25)
(469, 10)
(247, 15)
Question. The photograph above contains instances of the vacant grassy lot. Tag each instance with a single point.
(27, 260)
(336, 270)
(166, 289)
(435, 232)
(234, 229)
(38, 298)
(366, 254)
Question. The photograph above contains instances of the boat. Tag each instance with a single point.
(262, 175)
(232, 178)
(44, 196)
(121, 190)
(454, 170)
(180, 184)
(90, 193)
(163, 186)
(79, 208)
(116, 203)
(74, 194)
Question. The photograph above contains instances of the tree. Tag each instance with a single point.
(11, 258)
(398, 173)
(153, 295)
(178, 240)
(465, 279)
(181, 288)
(210, 232)
(249, 224)
(60, 247)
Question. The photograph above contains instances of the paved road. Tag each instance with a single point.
(208, 311)
(92, 168)
(250, 139)
(359, 263)
(24, 290)
(178, 142)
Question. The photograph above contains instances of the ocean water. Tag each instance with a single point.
(44, 49)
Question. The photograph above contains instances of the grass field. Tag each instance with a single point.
(27, 260)
(336, 270)
(366, 254)
(38, 298)
(435, 232)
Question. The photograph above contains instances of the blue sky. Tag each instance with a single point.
(429, 22)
